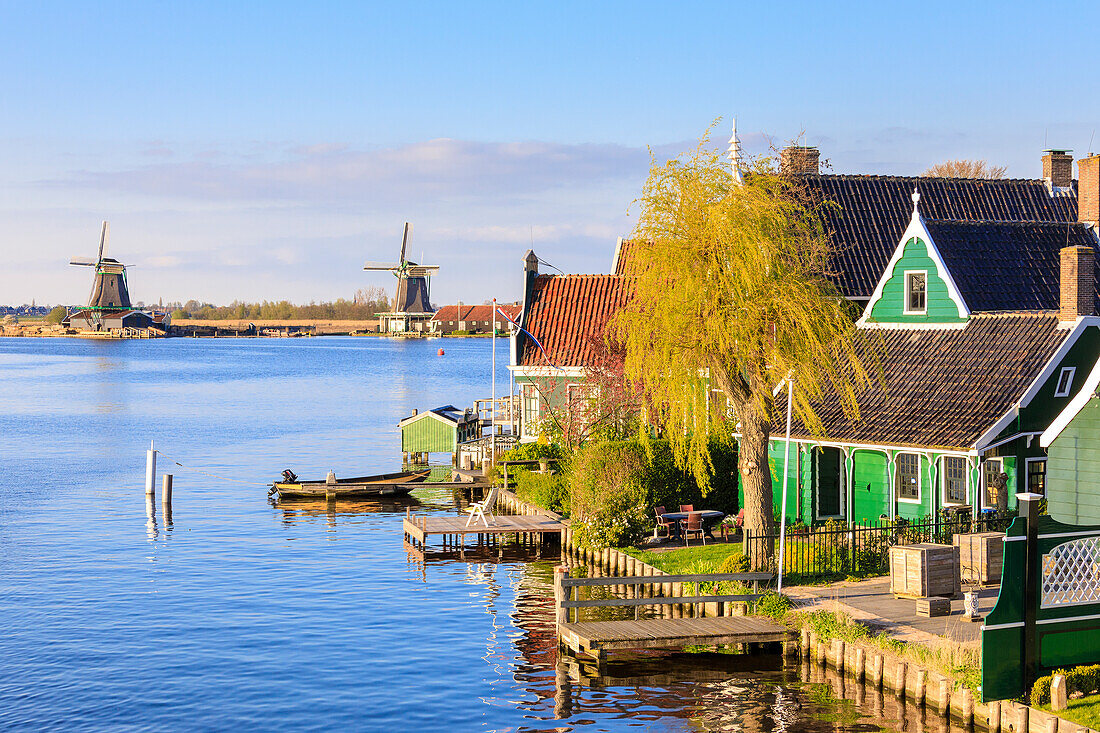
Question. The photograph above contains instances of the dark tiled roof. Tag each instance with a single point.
(1002, 266)
(472, 312)
(874, 211)
(944, 388)
(568, 314)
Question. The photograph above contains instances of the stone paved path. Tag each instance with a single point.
(871, 602)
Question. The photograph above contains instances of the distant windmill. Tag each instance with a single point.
(109, 290)
(413, 280)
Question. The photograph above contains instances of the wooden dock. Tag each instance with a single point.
(595, 638)
(453, 530)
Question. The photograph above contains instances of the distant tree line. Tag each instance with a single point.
(366, 303)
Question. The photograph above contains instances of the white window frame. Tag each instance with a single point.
(1027, 473)
(531, 416)
(897, 468)
(984, 495)
(943, 481)
(906, 310)
(1066, 372)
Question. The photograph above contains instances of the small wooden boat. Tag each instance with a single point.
(360, 487)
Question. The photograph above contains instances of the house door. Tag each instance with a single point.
(829, 483)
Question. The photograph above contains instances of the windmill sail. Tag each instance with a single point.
(413, 291)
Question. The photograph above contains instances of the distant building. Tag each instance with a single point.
(472, 318)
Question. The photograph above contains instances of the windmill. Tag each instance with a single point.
(413, 300)
(109, 290)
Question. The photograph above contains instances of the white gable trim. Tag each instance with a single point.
(917, 229)
(1045, 373)
(1088, 389)
(429, 413)
(615, 259)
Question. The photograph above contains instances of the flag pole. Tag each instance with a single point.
(493, 413)
(783, 511)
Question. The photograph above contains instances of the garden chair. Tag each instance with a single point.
(483, 508)
(668, 524)
(733, 527)
(694, 525)
(687, 508)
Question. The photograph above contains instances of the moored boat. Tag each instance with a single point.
(359, 487)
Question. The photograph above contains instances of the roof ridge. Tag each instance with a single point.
(894, 177)
(1008, 222)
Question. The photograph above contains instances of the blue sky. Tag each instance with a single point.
(265, 150)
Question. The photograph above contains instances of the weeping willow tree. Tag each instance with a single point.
(731, 298)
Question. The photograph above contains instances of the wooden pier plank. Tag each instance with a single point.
(657, 633)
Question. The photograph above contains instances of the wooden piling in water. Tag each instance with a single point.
(166, 490)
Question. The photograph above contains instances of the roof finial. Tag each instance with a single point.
(734, 154)
(916, 200)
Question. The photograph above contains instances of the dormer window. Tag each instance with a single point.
(916, 292)
(1065, 382)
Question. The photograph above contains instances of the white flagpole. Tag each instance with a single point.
(493, 414)
(783, 510)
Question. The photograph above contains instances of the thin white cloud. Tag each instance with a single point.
(441, 168)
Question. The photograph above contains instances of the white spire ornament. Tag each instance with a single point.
(734, 154)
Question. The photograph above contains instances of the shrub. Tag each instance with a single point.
(1084, 679)
(549, 491)
(774, 605)
(57, 314)
(533, 452)
(735, 563)
(608, 494)
(1040, 692)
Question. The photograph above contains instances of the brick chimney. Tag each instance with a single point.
(799, 160)
(1058, 168)
(1078, 282)
(1088, 190)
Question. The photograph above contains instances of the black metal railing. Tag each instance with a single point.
(836, 550)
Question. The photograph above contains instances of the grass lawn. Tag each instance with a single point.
(688, 560)
(1085, 711)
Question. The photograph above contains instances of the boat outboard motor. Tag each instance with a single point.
(290, 477)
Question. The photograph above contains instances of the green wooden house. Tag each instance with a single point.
(1072, 443)
(983, 329)
(436, 431)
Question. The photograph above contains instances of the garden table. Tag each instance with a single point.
(711, 517)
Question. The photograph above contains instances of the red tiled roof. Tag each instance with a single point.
(473, 312)
(570, 312)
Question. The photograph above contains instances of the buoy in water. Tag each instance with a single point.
(441, 352)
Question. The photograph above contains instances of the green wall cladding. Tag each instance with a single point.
(890, 307)
(428, 435)
(1073, 469)
(870, 486)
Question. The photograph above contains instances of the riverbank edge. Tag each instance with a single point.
(863, 661)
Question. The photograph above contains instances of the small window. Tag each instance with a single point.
(907, 477)
(1037, 475)
(915, 292)
(991, 478)
(954, 480)
(1065, 382)
(530, 409)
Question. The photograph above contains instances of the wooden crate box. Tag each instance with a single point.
(981, 556)
(924, 570)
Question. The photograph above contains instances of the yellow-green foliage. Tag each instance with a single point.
(731, 294)
(1084, 679)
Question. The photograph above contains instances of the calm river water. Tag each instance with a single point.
(237, 613)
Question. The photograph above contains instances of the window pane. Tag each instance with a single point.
(1037, 476)
(916, 289)
(907, 482)
(991, 472)
(954, 477)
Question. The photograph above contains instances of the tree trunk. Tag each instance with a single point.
(756, 481)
